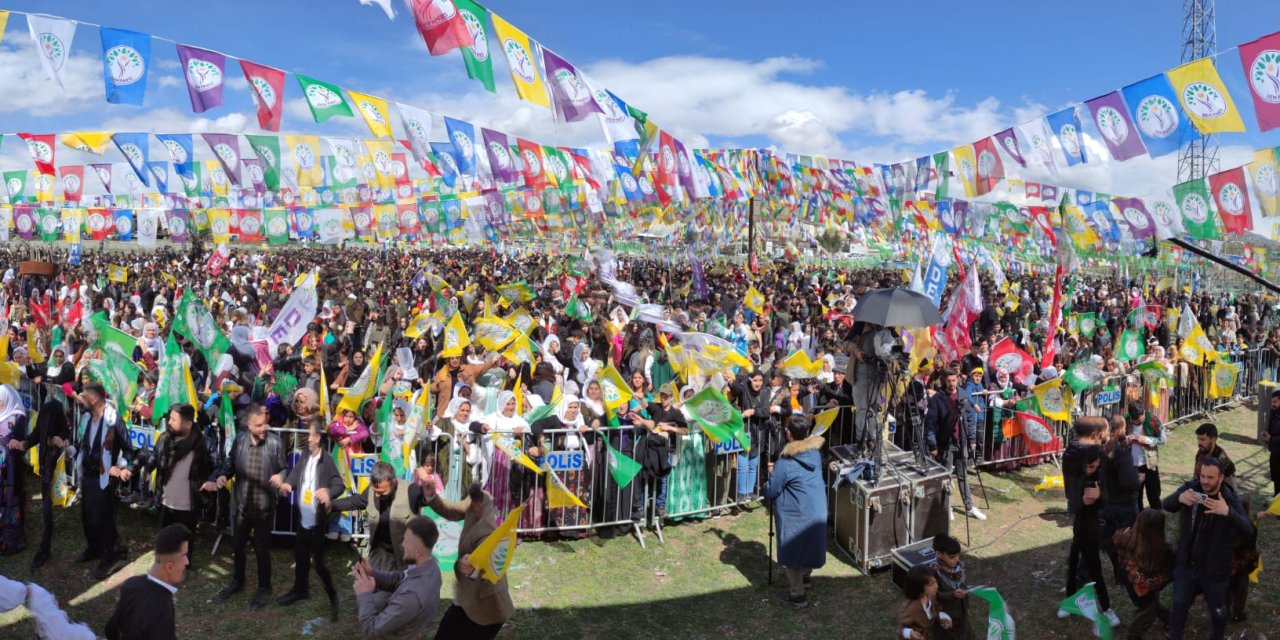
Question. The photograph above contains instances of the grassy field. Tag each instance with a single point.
(708, 580)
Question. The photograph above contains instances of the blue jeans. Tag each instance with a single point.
(748, 467)
(1187, 583)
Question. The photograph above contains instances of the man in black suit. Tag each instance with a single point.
(942, 425)
(145, 608)
(316, 481)
(51, 434)
(1211, 517)
(103, 453)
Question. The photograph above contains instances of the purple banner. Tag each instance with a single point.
(204, 71)
(570, 95)
(1008, 140)
(253, 170)
(24, 220)
(501, 164)
(1112, 120)
(684, 171)
(226, 146)
(103, 171)
(176, 220)
(700, 290)
(1134, 212)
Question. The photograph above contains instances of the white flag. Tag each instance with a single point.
(148, 224)
(384, 4)
(298, 311)
(329, 221)
(1036, 142)
(52, 37)
(417, 128)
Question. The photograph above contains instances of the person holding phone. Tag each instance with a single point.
(1086, 533)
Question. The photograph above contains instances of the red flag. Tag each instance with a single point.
(249, 222)
(1032, 189)
(72, 182)
(400, 164)
(267, 86)
(42, 151)
(666, 159)
(1015, 362)
(990, 168)
(100, 223)
(1261, 60)
(71, 317)
(531, 164)
(1041, 217)
(571, 284)
(440, 25)
(1039, 434)
(40, 311)
(1232, 197)
(407, 217)
(217, 260)
(1055, 317)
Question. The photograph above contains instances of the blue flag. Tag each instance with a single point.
(1083, 198)
(463, 136)
(303, 223)
(935, 277)
(1066, 126)
(160, 172)
(126, 55)
(1100, 215)
(630, 188)
(1154, 110)
(134, 148)
(179, 146)
(446, 159)
(124, 224)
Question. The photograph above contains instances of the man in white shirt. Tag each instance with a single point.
(316, 479)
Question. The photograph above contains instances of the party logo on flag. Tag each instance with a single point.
(41, 151)
(203, 75)
(177, 153)
(371, 112)
(520, 60)
(1112, 124)
(1137, 219)
(462, 142)
(1264, 76)
(498, 152)
(1070, 140)
(71, 183)
(1195, 208)
(263, 91)
(54, 49)
(986, 163)
(967, 172)
(226, 154)
(1157, 117)
(1231, 198)
(321, 97)
(125, 64)
(479, 39)
(1201, 99)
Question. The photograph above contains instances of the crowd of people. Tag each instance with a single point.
(453, 428)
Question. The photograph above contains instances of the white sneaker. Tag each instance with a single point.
(951, 515)
(1062, 613)
(976, 514)
(1111, 615)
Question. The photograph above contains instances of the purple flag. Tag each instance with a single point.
(1134, 212)
(684, 171)
(204, 71)
(103, 171)
(570, 95)
(1008, 140)
(498, 146)
(253, 169)
(499, 218)
(24, 220)
(1048, 193)
(700, 291)
(226, 146)
(1112, 119)
(176, 220)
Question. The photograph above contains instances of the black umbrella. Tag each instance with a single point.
(896, 308)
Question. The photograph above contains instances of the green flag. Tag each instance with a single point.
(50, 224)
(277, 223)
(1081, 375)
(191, 185)
(1130, 346)
(718, 418)
(1197, 214)
(575, 308)
(1088, 324)
(478, 56)
(170, 387)
(15, 183)
(999, 623)
(1084, 603)
(388, 452)
(119, 376)
(194, 322)
(109, 338)
(325, 100)
(268, 150)
(227, 418)
(623, 467)
(940, 163)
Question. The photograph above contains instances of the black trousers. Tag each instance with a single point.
(187, 519)
(98, 517)
(1084, 549)
(1275, 470)
(1151, 483)
(46, 515)
(259, 528)
(309, 545)
(456, 625)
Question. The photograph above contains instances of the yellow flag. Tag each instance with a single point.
(455, 337)
(1049, 482)
(558, 495)
(217, 177)
(71, 224)
(493, 556)
(494, 333)
(1196, 348)
(1204, 98)
(374, 111)
(823, 421)
(754, 300)
(220, 225)
(192, 398)
(1222, 381)
(117, 273)
(34, 349)
(726, 358)
(365, 387)
(798, 365)
(519, 391)
(4, 346)
(966, 168)
(324, 397)
(1257, 572)
(4, 19)
(94, 142)
(1274, 507)
(418, 326)
(380, 151)
(1055, 403)
(524, 71)
(1081, 233)
(520, 351)
(921, 347)
(1266, 185)
(304, 156)
(521, 320)
(512, 449)
(613, 388)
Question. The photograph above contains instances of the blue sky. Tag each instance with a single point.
(870, 81)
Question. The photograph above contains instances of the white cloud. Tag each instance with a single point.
(28, 89)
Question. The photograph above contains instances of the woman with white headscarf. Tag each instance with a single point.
(13, 429)
(586, 366)
(506, 423)
(449, 447)
(551, 347)
(566, 431)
